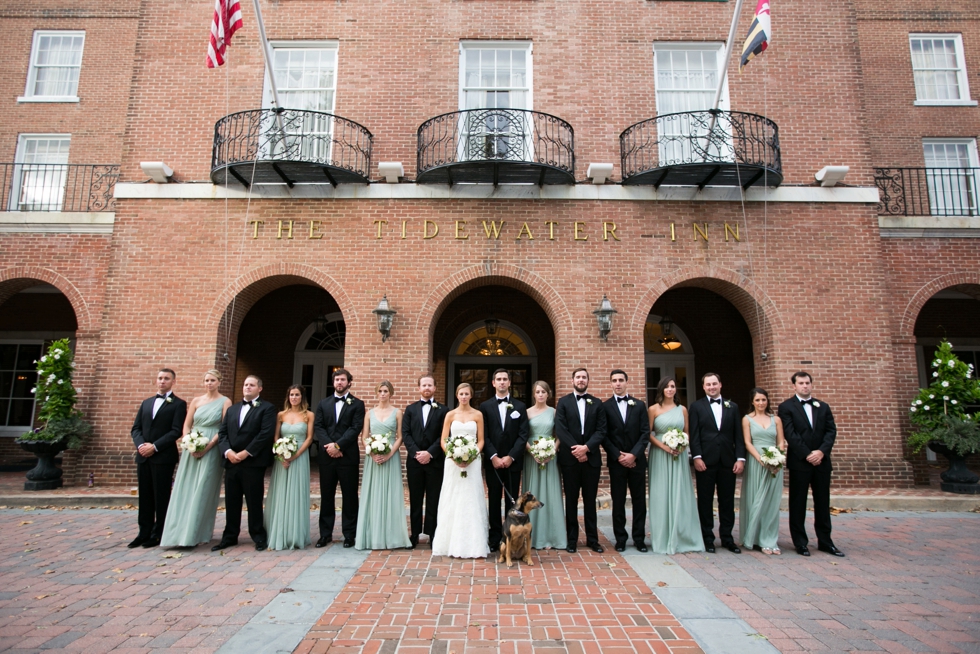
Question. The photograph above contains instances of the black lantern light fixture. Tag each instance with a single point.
(668, 341)
(386, 316)
(604, 316)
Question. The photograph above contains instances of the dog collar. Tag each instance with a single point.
(519, 514)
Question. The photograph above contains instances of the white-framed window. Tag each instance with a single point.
(939, 69)
(306, 78)
(40, 172)
(495, 76)
(952, 175)
(18, 375)
(56, 60)
(686, 80)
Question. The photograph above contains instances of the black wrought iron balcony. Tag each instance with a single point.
(701, 148)
(496, 146)
(290, 146)
(928, 191)
(57, 187)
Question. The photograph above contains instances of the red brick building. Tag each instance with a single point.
(278, 233)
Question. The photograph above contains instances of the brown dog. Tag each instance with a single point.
(517, 531)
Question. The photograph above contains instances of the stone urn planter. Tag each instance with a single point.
(45, 475)
(959, 478)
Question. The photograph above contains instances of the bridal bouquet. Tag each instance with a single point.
(378, 444)
(544, 450)
(285, 447)
(772, 459)
(462, 449)
(676, 440)
(194, 441)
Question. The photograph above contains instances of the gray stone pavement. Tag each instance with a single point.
(909, 583)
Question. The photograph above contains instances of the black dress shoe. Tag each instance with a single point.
(136, 542)
(829, 549)
(596, 547)
(733, 548)
(494, 547)
(322, 542)
(641, 548)
(803, 551)
(620, 547)
(710, 549)
(224, 544)
(571, 549)
(414, 540)
(348, 542)
(150, 542)
(261, 547)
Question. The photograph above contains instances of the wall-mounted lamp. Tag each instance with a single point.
(831, 175)
(604, 316)
(386, 316)
(669, 341)
(599, 172)
(391, 171)
(158, 171)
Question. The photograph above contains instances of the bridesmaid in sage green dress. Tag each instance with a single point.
(758, 510)
(197, 484)
(548, 522)
(287, 508)
(381, 523)
(674, 525)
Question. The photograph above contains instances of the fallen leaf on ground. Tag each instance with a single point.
(249, 590)
(836, 510)
(118, 571)
(48, 572)
(26, 522)
(41, 596)
(172, 555)
(61, 531)
(661, 583)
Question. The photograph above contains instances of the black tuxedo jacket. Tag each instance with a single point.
(255, 434)
(568, 429)
(418, 437)
(802, 438)
(716, 446)
(631, 436)
(509, 440)
(163, 431)
(345, 431)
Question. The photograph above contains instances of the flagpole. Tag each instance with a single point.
(722, 77)
(267, 53)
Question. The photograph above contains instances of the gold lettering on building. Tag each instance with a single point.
(380, 224)
(673, 233)
(255, 227)
(289, 229)
(493, 227)
(609, 229)
(578, 232)
(733, 232)
(315, 225)
(524, 229)
(460, 226)
(404, 222)
(425, 229)
(702, 232)
(551, 229)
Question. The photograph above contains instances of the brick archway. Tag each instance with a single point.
(15, 279)
(925, 292)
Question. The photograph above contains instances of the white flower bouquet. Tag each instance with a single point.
(462, 449)
(543, 450)
(285, 447)
(772, 459)
(676, 440)
(378, 444)
(194, 441)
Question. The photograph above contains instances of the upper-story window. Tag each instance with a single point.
(40, 172)
(56, 59)
(952, 176)
(939, 69)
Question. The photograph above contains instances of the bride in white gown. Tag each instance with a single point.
(462, 525)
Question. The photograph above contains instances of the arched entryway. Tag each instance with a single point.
(668, 353)
(492, 327)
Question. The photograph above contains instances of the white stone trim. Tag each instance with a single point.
(929, 226)
(56, 222)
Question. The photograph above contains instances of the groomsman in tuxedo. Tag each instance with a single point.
(505, 431)
(158, 425)
(337, 429)
(718, 448)
(810, 432)
(627, 435)
(422, 431)
(580, 425)
(245, 442)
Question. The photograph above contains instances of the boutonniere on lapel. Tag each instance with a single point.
(435, 405)
(169, 399)
(816, 405)
(348, 401)
(588, 400)
(728, 405)
(510, 406)
(630, 403)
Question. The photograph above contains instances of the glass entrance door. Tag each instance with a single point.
(480, 377)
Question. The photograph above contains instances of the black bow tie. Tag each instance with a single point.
(501, 400)
(623, 399)
(429, 402)
(161, 397)
(246, 403)
(714, 401)
(580, 397)
(810, 401)
(339, 399)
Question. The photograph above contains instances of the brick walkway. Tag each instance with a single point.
(576, 603)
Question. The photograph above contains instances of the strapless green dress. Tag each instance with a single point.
(548, 522)
(758, 507)
(381, 521)
(287, 508)
(674, 525)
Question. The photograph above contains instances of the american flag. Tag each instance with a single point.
(759, 34)
(227, 19)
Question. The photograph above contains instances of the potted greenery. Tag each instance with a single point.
(62, 427)
(941, 419)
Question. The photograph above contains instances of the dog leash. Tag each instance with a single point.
(504, 486)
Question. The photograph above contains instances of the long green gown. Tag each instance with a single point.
(548, 522)
(758, 507)
(287, 508)
(381, 523)
(674, 525)
(197, 487)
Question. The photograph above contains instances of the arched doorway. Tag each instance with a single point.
(34, 314)
(492, 327)
(668, 357)
(320, 351)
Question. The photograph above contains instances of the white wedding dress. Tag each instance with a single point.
(462, 526)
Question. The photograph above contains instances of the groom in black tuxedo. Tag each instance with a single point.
(808, 425)
(422, 431)
(245, 442)
(580, 425)
(337, 429)
(158, 425)
(627, 435)
(505, 430)
(718, 448)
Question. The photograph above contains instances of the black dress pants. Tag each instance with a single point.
(330, 476)
(512, 478)
(635, 480)
(424, 486)
(581, 478)
(722, 477)
(800, 481)
(155, 483)
(247, 482)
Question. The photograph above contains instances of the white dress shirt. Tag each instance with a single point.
(622, 406)
(581, 412)
(807, 408)
(716, 410)
(158, 402)
(502, 409)
(426, 409)
(338, 405)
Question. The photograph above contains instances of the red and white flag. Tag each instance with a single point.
(227, 19)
